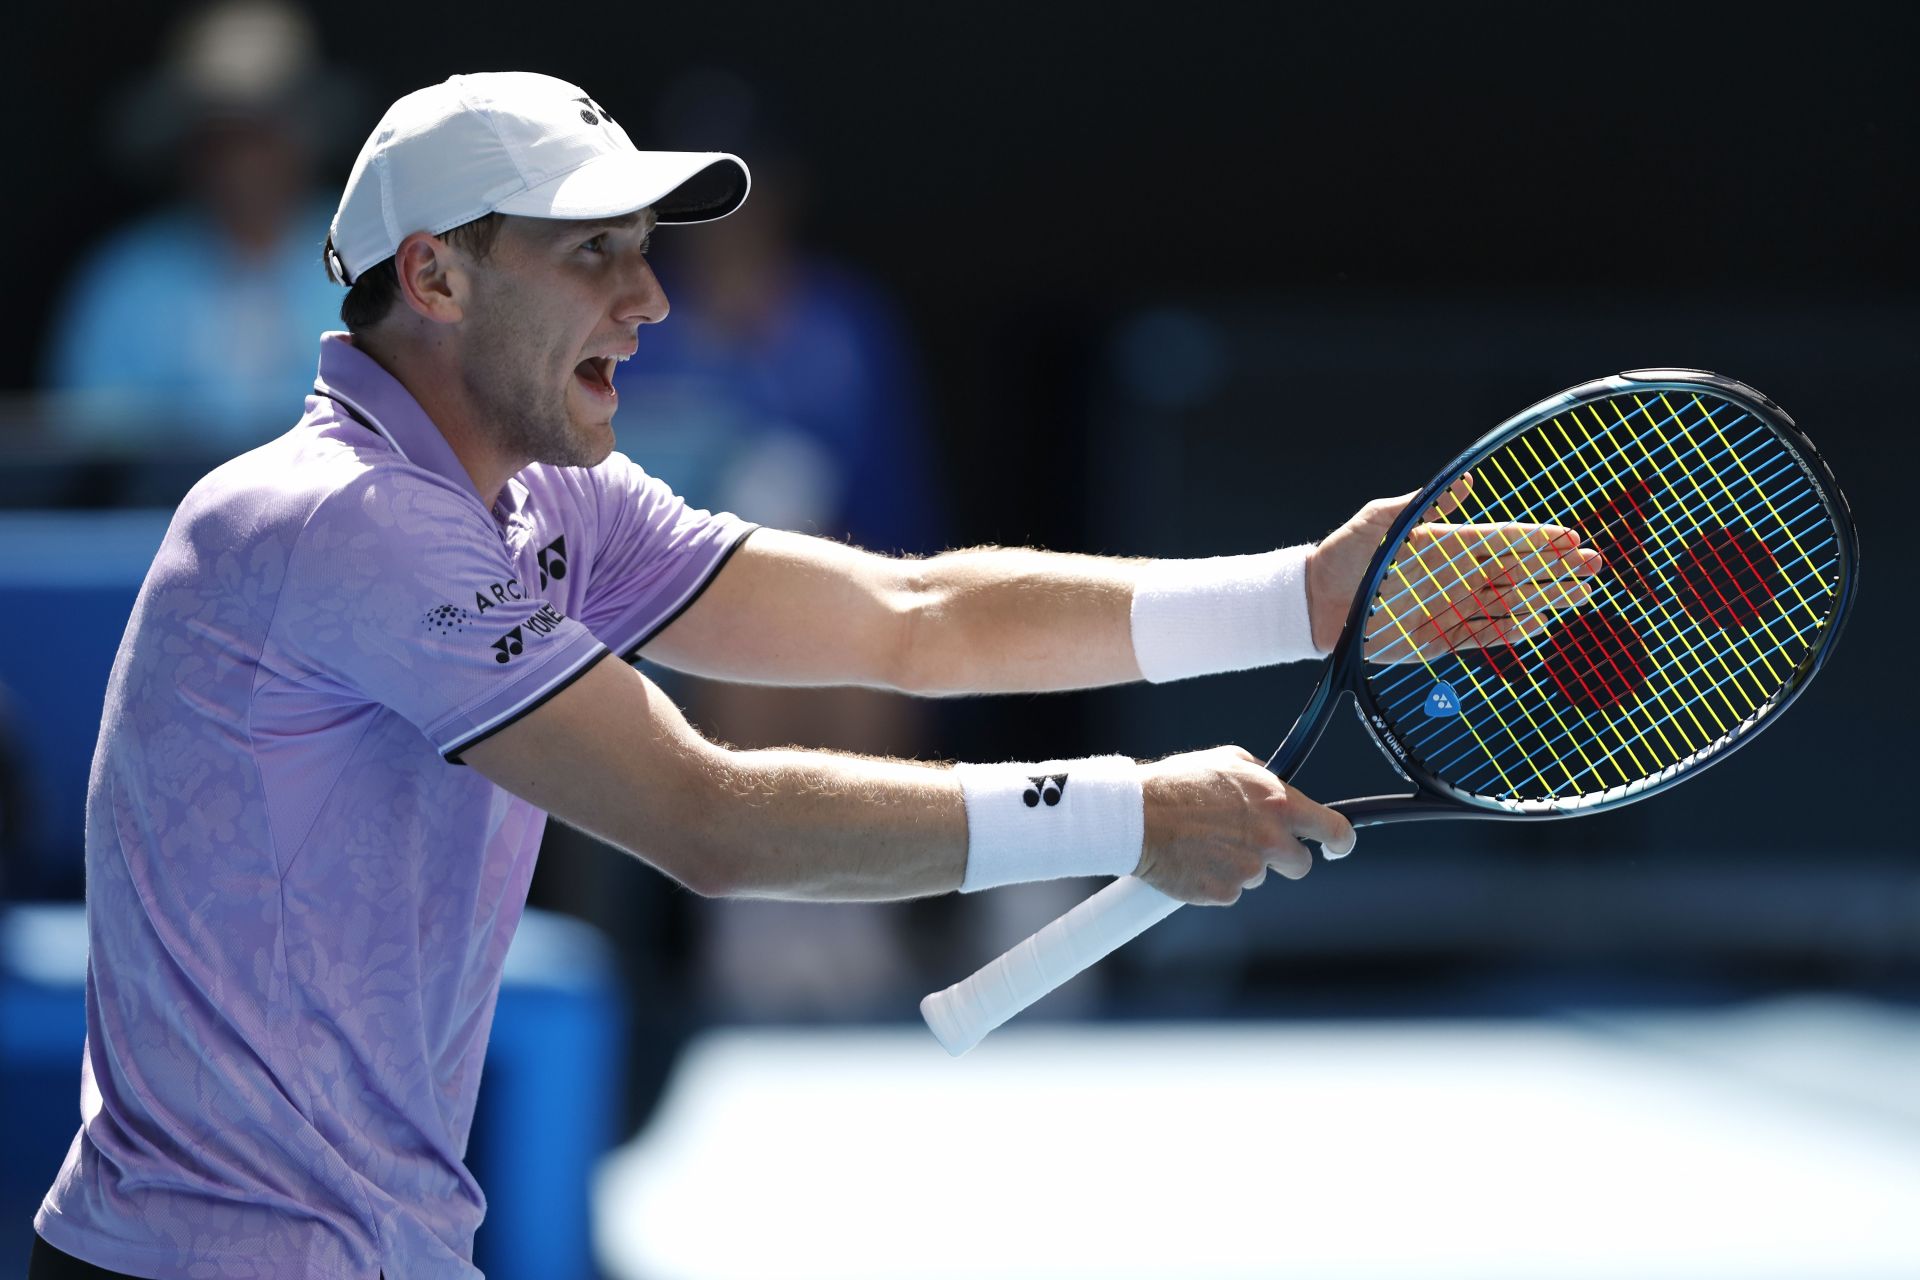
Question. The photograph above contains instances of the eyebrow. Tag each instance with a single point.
(625, 222)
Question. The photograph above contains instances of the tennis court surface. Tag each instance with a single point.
(1778, 1140)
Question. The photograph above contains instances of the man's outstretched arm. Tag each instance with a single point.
(611, 754)
(790, 609)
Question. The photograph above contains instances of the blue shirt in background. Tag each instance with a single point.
(173, 339)
(814, 422)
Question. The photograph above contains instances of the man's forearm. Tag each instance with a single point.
(1009, 620)
(828, 827)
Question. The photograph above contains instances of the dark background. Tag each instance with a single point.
(1376, 229)
(1188, 279)
(1389, 225)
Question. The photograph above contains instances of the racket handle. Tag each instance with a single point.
(962, 1015)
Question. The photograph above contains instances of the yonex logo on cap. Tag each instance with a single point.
(514, 143)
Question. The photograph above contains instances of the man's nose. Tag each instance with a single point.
(642, 300)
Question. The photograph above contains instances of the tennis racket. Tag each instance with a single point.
(1730, 563)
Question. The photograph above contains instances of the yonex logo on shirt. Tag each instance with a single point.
(553, 561)
(541, 622)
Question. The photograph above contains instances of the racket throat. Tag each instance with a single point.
(1299, 742)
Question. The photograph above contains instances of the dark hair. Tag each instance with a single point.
(373, 293)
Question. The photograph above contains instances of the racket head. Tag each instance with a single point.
(1731, 564)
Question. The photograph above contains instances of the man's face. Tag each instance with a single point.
(552, 309)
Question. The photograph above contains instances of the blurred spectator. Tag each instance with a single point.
(784, 388)
(203, 316)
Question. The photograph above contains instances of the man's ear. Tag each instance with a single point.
(433, 282)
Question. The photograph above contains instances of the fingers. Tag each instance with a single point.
(1316, 822)
(1462, 581)
(1542, 595)
(1582, 562)
(1216, 822)
(1291, 859)
(1450, 501)
(1440, 543)
(1306, 819)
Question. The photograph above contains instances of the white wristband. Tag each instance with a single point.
(1196, 617)
(1050, 820)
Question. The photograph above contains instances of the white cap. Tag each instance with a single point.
(512, 142)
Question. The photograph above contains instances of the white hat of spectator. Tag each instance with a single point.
(512, 142)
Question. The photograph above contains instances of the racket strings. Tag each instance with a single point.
(1586, 641)
(1662, 533)
(1642, 597)
(1688, 474)
(1690, 744)
(1551, 709)
(1585, 663)
(1555, 493)
(1615, 693)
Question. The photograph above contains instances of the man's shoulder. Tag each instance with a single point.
(317, 477)
(616, 477)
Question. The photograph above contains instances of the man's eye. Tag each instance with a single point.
(596, 245)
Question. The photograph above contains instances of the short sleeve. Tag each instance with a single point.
(655, 555)
(381, 603)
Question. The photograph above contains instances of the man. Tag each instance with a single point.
(373, 655)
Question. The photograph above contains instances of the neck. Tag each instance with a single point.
(435, 384)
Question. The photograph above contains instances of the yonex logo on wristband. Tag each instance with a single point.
(1048, 787)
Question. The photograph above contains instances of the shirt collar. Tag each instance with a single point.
(376, 398)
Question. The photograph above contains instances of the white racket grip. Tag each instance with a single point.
(962, 1015)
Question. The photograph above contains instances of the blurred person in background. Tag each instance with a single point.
(787, 391)
(211, 305)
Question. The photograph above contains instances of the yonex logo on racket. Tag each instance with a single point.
(1048, 787)
(1443, 701)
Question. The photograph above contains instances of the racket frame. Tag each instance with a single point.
(970, 1009)
(1432, 798)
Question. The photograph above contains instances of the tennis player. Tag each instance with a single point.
(373, 655)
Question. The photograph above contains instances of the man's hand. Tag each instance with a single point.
(1465, 587)
(1216, 820)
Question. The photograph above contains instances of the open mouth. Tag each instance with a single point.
(596, 374)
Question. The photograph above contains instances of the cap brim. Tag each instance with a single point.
(680, 187)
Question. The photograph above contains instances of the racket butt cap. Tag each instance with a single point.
(937, 1011)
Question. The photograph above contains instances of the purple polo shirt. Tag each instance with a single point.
(297, 906)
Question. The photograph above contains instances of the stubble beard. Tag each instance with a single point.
(527, 419)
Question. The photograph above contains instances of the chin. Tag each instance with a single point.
(587, 445)
(598, 443)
